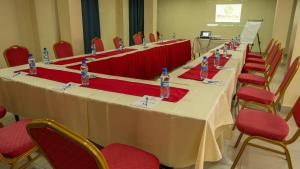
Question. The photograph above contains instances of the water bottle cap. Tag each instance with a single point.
(165, 70)
(205, 58)
(45, 48)
(217, 50)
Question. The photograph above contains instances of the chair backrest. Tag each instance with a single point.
(296, 112)
(289, 75)
(269, 46)
(137, 39)
(16, 55)
(98, 43)
(117, 42)
(152, 38)
(63, 148)
(276, 61)
(63, 49)
(272, 54)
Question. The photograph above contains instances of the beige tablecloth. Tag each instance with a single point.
(179, 134)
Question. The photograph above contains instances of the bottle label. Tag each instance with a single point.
(84, 73)
(204, 68)
(31, 63)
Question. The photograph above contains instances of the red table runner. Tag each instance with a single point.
(194, 73)
(101, 55)
(145, 64)
(111, 85)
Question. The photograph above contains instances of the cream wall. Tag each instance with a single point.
(188, 17)
(150, 17)
(293, 91)
(282, 20)
(47, 22)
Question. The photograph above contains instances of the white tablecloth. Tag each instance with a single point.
(179, 134)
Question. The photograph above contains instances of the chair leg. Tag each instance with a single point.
(17, 117)
(238, 140)
(288, 157)
(274, 109)
(240, 153)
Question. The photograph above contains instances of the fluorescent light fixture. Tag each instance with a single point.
(212, 24)
(228, 12)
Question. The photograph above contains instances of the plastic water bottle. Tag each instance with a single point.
(232, 44)
(217, 58)
(144, 42)
(204, 68)
(46, 59)
(32, 66)
(93, 48)
(225, 51)
(84, 73)
(164, 84)
(121, 45)
(174, 36)
(161, 37)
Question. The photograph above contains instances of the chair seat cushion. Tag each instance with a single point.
(2, 112)
(252, 79)
(254, 55)
(264, 124)
(120, 156)
(256, 95)
(14, 139)
(255, 60)
(255, 66)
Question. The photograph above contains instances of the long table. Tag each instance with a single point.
(179, 133)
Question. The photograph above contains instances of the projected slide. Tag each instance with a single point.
(228, 12)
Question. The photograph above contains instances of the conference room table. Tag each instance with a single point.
(187, 129)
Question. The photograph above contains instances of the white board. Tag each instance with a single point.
(250, 31)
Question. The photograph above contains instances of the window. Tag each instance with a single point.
(228, 12)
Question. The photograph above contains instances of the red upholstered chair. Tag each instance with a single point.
(262, 59)
(152, 38)
(65, 149)
(117, 41)
(16, 55)
(264, 65)
(63, 49)
(98, 43)
(16, 145)
(269, 128)
(137, 39)
(2, 114)
(262, 81)
(265, 98)
(258, 55)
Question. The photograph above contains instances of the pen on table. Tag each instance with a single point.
(146, 102)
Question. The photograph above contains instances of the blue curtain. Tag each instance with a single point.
(136, 18)
(90, 22)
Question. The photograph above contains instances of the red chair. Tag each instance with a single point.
(258, 55)
(16, 145)
(266, 127)
(152, 38)
(137, 38)
(117, 40)
(264, 98)
(63, 49)
(264, 66)
(16, 55)
(2, 114)
(65, 149)
(263, 60)
(98, 43)
(262, 81)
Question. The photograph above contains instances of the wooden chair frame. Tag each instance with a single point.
(71, 136)
(282, 144)
(14, 46)
(61, 42)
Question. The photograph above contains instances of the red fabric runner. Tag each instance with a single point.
(101, 55)
(194, 73)
(111, 85)
(145, 64)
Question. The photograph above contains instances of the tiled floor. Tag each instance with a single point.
(252, 158)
